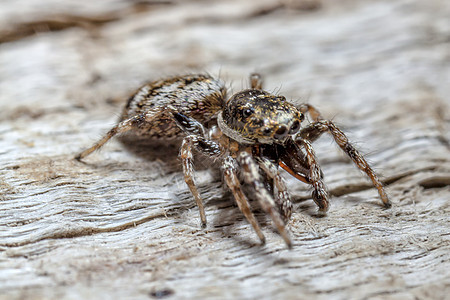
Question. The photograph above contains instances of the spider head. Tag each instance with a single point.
(255, 116)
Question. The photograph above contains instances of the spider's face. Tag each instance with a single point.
(255, 116)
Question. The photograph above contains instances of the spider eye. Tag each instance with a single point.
(248, 112)
(295, 127)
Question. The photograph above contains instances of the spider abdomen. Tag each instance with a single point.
(197, 96)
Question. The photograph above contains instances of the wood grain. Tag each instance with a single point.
(124, 225)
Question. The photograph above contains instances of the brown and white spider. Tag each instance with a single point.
(252, 134)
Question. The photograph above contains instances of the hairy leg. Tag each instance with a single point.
(251, 176)
(313, 112)
(195, 138)
(206, 147)
(121, 127)
(232, 181)
(315, 130)
(283, 199)
(188, 125)
(319, 194)
(255, 81)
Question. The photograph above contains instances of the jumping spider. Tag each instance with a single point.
(252, 134)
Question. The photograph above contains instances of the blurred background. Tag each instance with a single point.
(336, 51)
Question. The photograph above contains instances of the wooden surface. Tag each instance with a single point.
(124, 225)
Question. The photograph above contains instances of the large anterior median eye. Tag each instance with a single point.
(248, 112)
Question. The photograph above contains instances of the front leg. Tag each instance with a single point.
(232, 181)
(251, 176)
(283, 199)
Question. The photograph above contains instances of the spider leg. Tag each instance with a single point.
(206, 147)
(189, 125)
(313, 112)
(121, 127)
(315, 130)
(319, 194)
(252, 177)
(196, 137)
(256, 81)
(232, 181)
(283, 199)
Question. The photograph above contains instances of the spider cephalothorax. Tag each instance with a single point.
(253, 134)
(255, 116)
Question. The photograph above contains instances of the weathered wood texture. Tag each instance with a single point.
(124, 225)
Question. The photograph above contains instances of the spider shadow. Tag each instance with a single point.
(230, 221)
(308, 207)
(166, 151)
(338, 204)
